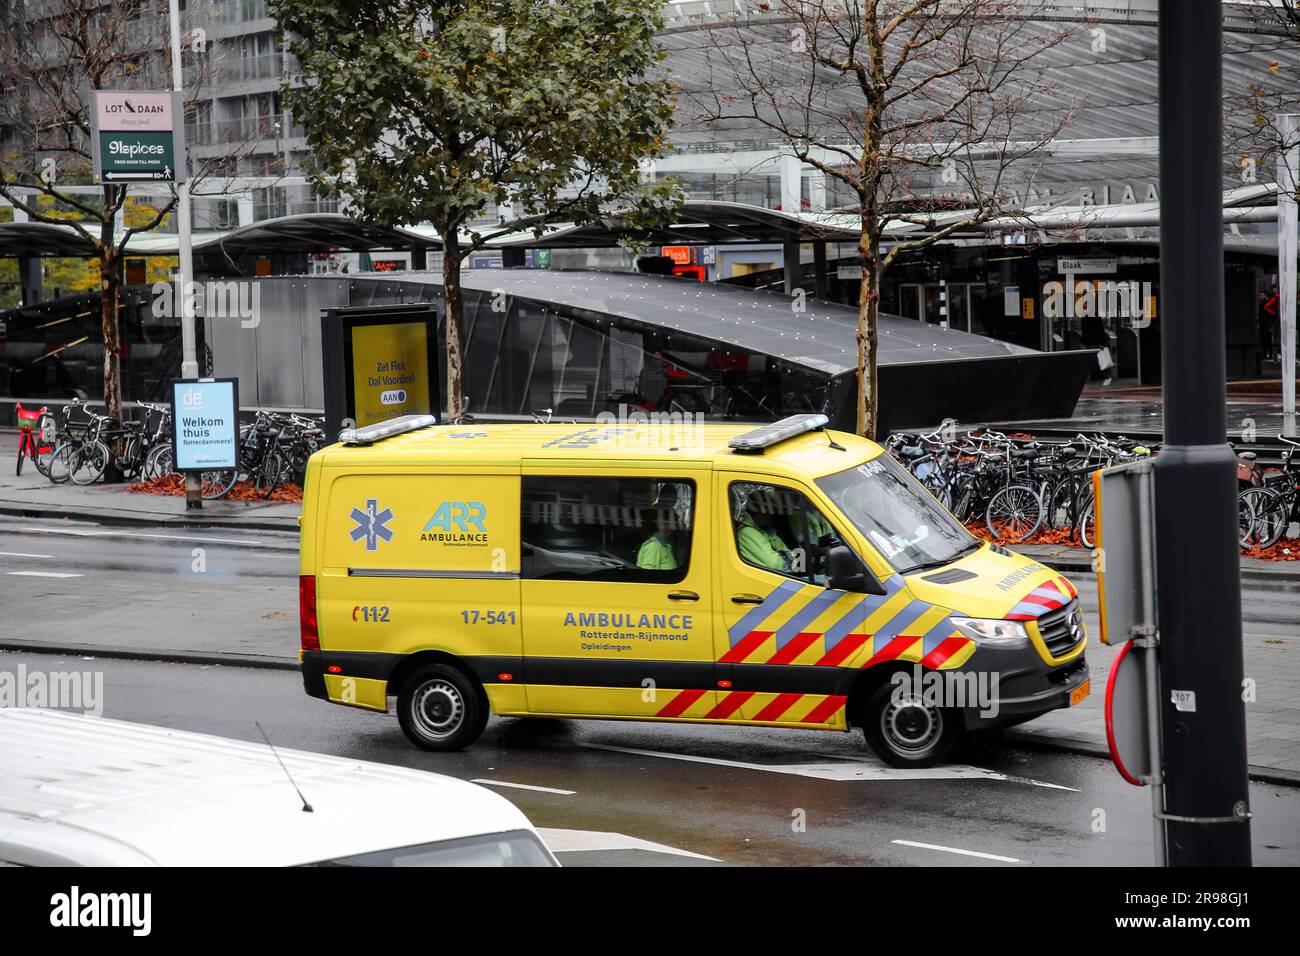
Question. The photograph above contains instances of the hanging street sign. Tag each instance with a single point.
(137, 136)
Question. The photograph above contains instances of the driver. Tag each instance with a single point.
(760, 543)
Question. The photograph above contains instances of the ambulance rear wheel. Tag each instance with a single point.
(904, 731)
(440, 708)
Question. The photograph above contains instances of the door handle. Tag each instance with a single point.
(746, 599)
(683, 596)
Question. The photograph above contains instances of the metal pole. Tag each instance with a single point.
(1202, 715)
(185, 272)
(1288, 159)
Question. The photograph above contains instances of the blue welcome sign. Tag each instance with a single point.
(205, 424)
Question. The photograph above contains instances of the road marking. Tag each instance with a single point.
(848, 769)
(42, 574)
(22, 554)
(957, 850)
(141, 534)
(524, 786)
(576, 841)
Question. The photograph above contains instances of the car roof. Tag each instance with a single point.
(704, 445)
(96, 791)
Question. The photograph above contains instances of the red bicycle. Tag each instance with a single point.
(33, 425)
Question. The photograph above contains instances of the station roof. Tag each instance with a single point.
(701, 222)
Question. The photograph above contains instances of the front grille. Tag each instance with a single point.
(1062, 629)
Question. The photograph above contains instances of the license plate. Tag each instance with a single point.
(1082, 691)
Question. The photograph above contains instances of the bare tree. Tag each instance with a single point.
(920, 109)
(53, 54)
(1251, 128)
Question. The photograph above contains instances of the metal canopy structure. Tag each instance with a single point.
(925, 370)
(820, 339)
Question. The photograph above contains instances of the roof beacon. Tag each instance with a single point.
(754, 442)
(370, 434)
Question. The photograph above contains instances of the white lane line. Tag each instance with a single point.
(574, 841)
(142, 534)
(41, 574)
(524, 786)
(957, 850)
(22, 554)
(860, 768)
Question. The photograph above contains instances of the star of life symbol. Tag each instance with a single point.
(372, 524)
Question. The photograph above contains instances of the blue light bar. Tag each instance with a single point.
(370, 434)
(769, 435)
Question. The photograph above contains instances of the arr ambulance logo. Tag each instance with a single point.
(372, 524)
(457, 523)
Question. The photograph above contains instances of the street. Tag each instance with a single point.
(739, 796)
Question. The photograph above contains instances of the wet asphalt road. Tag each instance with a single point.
(742, 815)
(745, 796)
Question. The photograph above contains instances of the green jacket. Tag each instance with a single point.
(816, 522)
(762, 547)
(656, 555)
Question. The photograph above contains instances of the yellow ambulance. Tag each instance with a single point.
(784, 575)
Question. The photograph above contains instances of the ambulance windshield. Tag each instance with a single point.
(897, 515)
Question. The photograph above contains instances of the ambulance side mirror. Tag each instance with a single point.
(846, 572)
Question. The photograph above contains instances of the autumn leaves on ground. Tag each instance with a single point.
(243, 491)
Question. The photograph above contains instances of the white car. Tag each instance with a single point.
(88, 791)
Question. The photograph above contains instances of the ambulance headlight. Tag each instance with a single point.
(992, 631)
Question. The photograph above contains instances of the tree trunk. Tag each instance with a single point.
(451, 257)
(868, 315)
(110, 293)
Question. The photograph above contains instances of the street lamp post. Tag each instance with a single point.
(185, 272)
(1206, 811)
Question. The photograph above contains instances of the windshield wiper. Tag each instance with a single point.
(940, 562)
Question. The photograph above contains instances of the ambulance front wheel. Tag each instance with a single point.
(905, 731)
(440, 708)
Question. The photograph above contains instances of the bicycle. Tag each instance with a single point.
(30, 424)
(1265, 512)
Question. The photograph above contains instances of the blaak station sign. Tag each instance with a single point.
(137, 136)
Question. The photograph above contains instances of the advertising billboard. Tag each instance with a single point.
(205, 424)
(378, 363)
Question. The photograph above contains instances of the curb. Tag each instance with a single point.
(1273, 776)
(112, 517)
(1267, 775)
(149, 654)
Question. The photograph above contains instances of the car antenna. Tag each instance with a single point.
(831, 438)
(306, 807)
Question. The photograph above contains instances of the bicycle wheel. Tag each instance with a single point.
(44, 455)
(1014, 513)
(1268, 514)
(89, 463)
(1088, 525)
(269, 474)
(22, 453)
(217, 484)
(1061, 504)
(159, 462)
(60, 469)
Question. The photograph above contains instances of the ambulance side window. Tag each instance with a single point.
(779, 529)
(592, 528)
